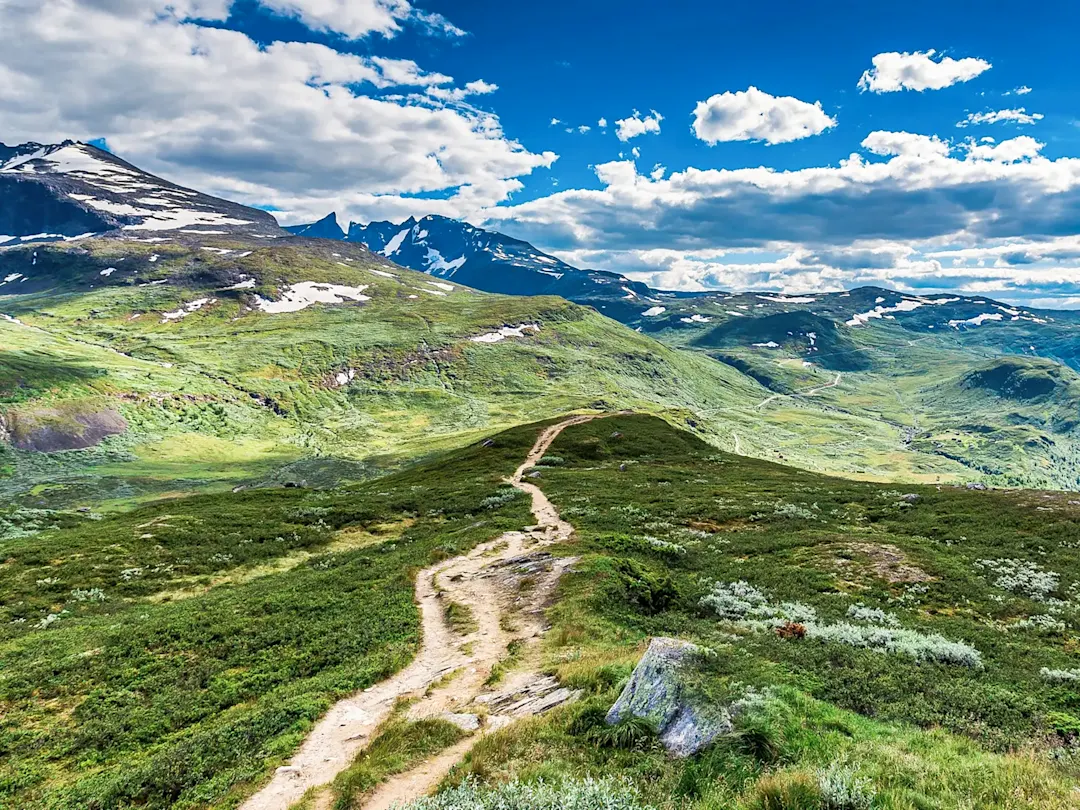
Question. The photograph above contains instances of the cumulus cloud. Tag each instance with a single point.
(1049, 275)
(602, 123)
(892, 72)
(754, 115)
(1010, 151)
(296, 125)
(905, 144)
(355, 19)
(1019, 115)
(920, 191)
(627, 128)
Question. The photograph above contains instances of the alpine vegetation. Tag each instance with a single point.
(742, 602)
(862, 613)
(1059, 675)
(843, 789)
(584, 794)
(899, 641)
(745, 605)
(1022, 578)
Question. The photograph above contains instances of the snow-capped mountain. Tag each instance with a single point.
(478, 258)
(71, 189)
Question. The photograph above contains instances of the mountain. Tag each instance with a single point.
(71, 190)
(485, 260)
(130, 369)
(325, 228)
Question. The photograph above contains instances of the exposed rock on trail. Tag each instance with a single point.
(657, 692)
(447, 677)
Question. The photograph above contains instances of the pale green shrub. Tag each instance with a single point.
(584, 794)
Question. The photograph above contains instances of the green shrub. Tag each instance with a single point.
(631, 734)
(583, 794)
(786, 791)
(647, 590)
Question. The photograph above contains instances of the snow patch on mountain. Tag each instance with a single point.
(794, 299)
(303, 294)
(906, 305)
(978, 320)
(505, 332)
(437, 264)
(394, 245)
(187, 309)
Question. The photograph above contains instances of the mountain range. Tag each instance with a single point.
(367, 345)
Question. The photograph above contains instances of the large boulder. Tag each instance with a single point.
(658, 692)
(71, 425)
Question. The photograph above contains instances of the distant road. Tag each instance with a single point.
(809, 393)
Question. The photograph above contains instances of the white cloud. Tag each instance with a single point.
(1019, 115)
(920, 191)
(918, 71)
(296, 125)
(355, 19)
(602, 123)
(1048, 275)
(753, 115)
(905, 144)
(584, 128)
(1010, 151)
(1022, 90)
(555, 122)
(627, 128)
(456, 95)
(635, 152)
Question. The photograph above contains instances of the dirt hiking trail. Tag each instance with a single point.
(447, 677)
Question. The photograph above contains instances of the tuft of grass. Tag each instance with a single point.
(397, 747)
(460, 617)
(505, 664)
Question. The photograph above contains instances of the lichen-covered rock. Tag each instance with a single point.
(657, 692)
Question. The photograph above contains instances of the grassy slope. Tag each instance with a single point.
(226, 393)
(228, 624)
(195, 641)
(928, 735)
(909, 415)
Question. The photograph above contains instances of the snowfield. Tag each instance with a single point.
(506, 332)
(302, 295)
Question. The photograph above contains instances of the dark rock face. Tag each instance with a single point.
(657, 692)
(325, 228)
(47, 430)
(28, 207)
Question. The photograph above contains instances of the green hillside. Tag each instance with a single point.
(134, 369)
(225, 393)
(176, 654)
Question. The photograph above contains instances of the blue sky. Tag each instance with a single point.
(389, 108)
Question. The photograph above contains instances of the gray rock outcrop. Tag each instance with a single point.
(657, 692)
